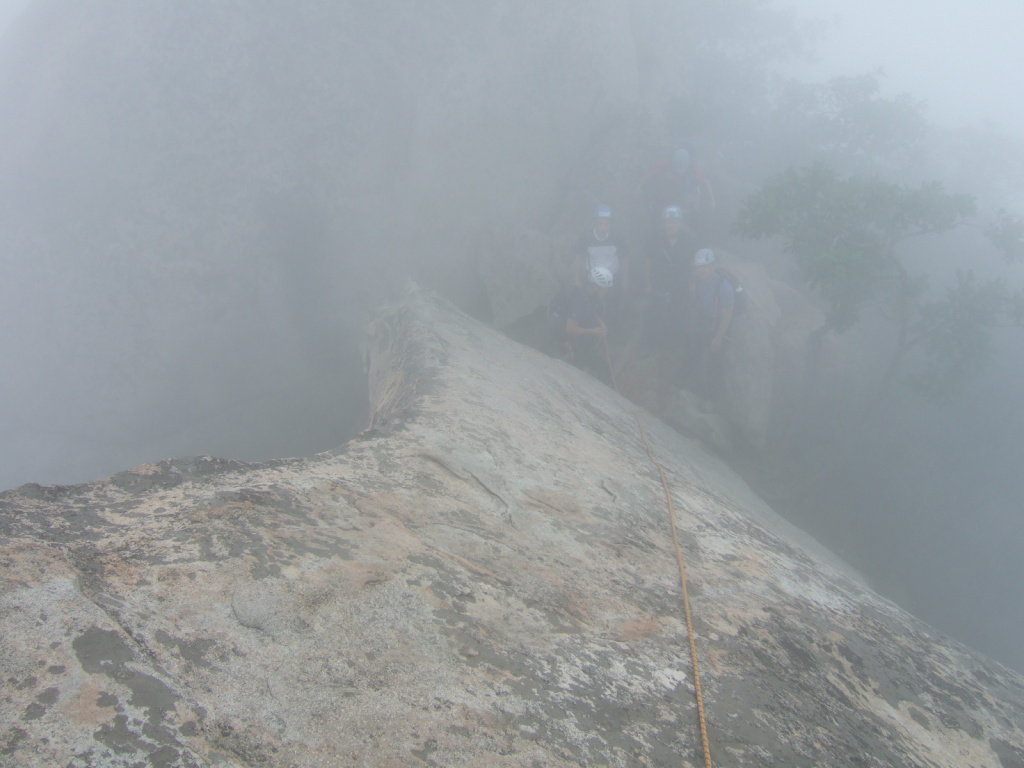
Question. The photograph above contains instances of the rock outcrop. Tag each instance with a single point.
(485, 577)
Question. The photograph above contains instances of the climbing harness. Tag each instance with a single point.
(698, 692)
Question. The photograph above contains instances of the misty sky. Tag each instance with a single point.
(8, 10)
(963, 58)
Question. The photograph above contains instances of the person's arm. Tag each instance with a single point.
(723, 328)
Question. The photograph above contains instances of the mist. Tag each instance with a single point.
(961, 59)
(202, 207)
(929, 503)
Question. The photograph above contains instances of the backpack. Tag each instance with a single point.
(740, 295)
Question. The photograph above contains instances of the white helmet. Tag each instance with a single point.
(601, 277)
(703, 257)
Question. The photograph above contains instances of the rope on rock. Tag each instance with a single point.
(698, 692)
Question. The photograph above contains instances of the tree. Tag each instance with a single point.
(848, 237)
(847, 123)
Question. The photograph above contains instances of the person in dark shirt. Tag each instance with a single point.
(715, 300)
(601, 246)
(667, 273)
(585, 327)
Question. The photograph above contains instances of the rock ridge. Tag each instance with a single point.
(485, 576)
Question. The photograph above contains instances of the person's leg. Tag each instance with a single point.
(559, 338)
(693, 372)
(713, 370)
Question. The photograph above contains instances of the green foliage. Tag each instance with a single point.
(847, 122)
(1006, 232)
(845, 236)
(954, 333)
(843, 232)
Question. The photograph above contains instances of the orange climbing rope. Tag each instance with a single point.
(698, 692)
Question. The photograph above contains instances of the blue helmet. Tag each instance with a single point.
(672, 212)
(602, 212)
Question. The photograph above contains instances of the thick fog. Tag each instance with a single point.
(937, 497)
(201, 206)
(9, 9)
(960, 57)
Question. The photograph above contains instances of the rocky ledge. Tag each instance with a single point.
(485, 577)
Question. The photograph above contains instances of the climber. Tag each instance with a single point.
(667, 274)
(585, 327)
(678, 180)
(715, 299)
(601, 247)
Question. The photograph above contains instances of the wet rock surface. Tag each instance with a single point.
(484, 577)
